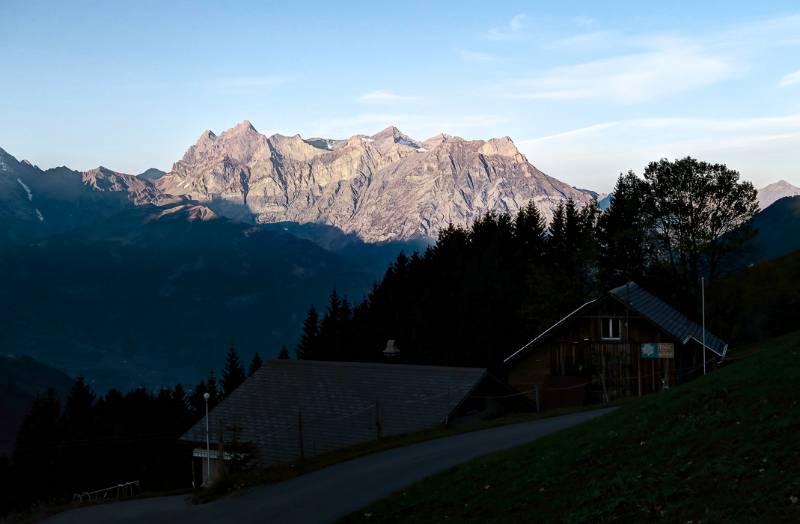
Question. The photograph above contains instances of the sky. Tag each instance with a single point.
(586, 91)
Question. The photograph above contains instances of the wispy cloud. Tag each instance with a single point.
(476, 57)
(591, 41)
(631, 78)
(686, 125)
(763, 149)
(386, 97)
(513, 30)
(585, 21)
(790, 79)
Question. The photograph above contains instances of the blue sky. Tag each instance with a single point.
(586, 91)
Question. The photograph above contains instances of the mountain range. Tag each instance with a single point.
(145, 280)
(35, 203)
(382, 187)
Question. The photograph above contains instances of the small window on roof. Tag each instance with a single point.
(610, 329)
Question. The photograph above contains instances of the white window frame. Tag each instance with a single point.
(608, 323)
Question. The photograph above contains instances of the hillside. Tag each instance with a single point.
(778, 230)
(35, 203)
(383, 187)
(759, 302)
(155, 295)
(720, 449)
(21, 378)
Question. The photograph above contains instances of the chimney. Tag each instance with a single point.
(391, 352)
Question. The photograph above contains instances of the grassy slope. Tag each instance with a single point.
(725, 448)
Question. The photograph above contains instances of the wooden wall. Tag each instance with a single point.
(609, 368)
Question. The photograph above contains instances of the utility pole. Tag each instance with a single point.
(206, 396)
(703, 307)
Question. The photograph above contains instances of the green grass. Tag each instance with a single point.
(724, 448)
(238, 481)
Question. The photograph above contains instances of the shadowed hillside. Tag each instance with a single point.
(154, 296)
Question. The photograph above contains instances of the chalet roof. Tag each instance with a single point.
(524, 349)
(338, 403)
(666, 317)
(649, 306)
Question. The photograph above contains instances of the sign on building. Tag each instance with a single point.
(653, 350)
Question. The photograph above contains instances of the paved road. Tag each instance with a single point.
(330, 493)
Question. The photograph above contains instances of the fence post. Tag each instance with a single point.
(378, 425)
(300, 432)
(538, 399)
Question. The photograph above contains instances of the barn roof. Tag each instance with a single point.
(666, 317)
(649, 306)
(524, 349)
(337, 402)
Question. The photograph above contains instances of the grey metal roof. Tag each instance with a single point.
(337, 401)
(666, 317)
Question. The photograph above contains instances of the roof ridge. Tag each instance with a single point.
(345, 363)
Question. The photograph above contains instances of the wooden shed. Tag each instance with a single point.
(627, 342)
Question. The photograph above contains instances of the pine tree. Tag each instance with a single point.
(332, 327)
(284, 354)
(233, 373)
(35, 453)
(309, 340)
(529, 231)
(255, 364)
(625, 243)
(196, 400)
(213, 389)
(557, 241)
(77, 417)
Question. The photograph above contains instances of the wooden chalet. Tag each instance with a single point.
(627, 342)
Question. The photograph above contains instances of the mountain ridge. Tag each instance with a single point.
(773, 192)
(382, 187)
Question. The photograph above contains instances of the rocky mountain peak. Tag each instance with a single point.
(207, 136)
(151, 174)
(437, 140)
(391, 135)
(138, 190)
(387, 186)
(243, 127)
(769, 194)
(501, 146)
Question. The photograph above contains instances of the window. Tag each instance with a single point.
(610, 329)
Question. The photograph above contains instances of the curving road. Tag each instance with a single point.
(330, 493)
